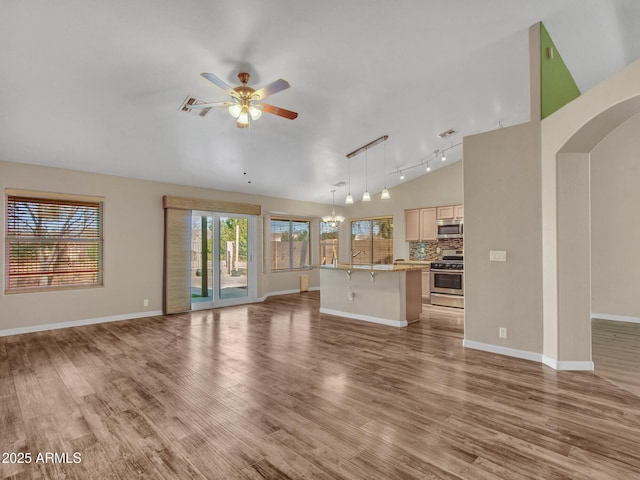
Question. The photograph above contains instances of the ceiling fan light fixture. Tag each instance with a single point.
(255, 113)
(385, 195)
(234, 110)
(243, 118)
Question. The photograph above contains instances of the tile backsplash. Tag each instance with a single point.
(428, 251)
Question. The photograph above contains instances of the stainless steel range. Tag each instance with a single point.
(447, 280)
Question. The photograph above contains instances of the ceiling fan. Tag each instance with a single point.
(247, 102)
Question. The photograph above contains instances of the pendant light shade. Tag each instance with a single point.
(385, 195)
(349, 199)
(365, 196)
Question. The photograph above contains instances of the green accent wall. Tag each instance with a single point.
(557, 86)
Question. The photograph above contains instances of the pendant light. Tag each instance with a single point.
(385, 195)
(349, 199)
(365, 196)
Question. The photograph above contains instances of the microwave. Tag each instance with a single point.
(449, 229)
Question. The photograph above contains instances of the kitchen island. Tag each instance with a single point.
(386, 294)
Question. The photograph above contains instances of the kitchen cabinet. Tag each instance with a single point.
(451, 212)
(426, 286)
(412, 225)
(420, 224)
(428, 230)
(446, 213)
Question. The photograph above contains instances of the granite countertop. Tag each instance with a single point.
(375, 268)
(420, 263)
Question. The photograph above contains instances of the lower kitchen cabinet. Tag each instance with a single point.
(426, 287)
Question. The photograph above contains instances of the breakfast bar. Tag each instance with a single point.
(386, 294)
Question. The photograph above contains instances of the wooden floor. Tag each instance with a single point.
(616, 353)
(278, 391)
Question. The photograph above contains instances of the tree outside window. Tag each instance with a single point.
(372, 241)
(290, 244)
(53, 243)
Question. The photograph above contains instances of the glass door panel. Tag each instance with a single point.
(201, 260)
(233, 258)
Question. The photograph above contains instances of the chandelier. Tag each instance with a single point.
(333, 219)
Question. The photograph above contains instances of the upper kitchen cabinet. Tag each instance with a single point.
(420, 224)
(451, 212)
(428, 229)
(412, 225)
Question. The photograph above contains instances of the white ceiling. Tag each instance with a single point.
(96, 85)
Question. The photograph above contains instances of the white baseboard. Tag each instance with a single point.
(365, 318)
(616, 318)
(114, 318)
(526, 355)
(509, 352)
(567, 365)
(77, 323)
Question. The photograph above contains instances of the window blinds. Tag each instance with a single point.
(53, 243)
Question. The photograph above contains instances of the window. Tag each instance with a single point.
(289, 244)
(328, 242)
(372, 241)
(53, 243)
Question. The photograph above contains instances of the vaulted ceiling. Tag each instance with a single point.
(97, 85)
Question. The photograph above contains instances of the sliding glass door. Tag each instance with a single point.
(234, 256)
(222, 253)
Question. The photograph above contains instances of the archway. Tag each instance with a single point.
(574, 231)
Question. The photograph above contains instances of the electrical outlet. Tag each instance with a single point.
(145, 302)
(502, 332)
(497, 256)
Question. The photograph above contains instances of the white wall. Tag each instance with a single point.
(615, 222)
(502, 212)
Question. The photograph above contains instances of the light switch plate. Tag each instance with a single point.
(497, 256)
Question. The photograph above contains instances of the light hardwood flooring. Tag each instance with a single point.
(616, 353)
(278, 391)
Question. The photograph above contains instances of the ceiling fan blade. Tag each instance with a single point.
(281, 112)
(220, 84)
(198, 106)
(267, 90)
